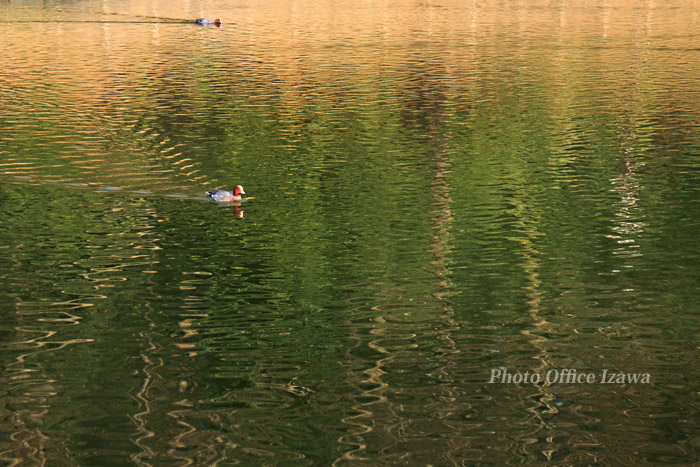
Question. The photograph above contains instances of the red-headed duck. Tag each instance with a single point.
(208, 21)
(226, 196)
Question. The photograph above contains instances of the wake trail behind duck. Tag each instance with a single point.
(146, 19)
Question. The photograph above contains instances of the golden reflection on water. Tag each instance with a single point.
(300, 46)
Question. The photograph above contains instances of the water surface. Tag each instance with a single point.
(442, 189)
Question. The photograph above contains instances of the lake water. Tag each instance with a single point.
(443, 190)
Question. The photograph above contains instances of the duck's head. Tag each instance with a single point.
(217, 21)
(238, 190)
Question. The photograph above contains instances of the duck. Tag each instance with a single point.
(208, 21)
(227, 196)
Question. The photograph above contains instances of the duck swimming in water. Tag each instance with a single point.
(227, 196)
(208, 21)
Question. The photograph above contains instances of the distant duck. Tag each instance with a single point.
(227, 196)
(208, 21)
